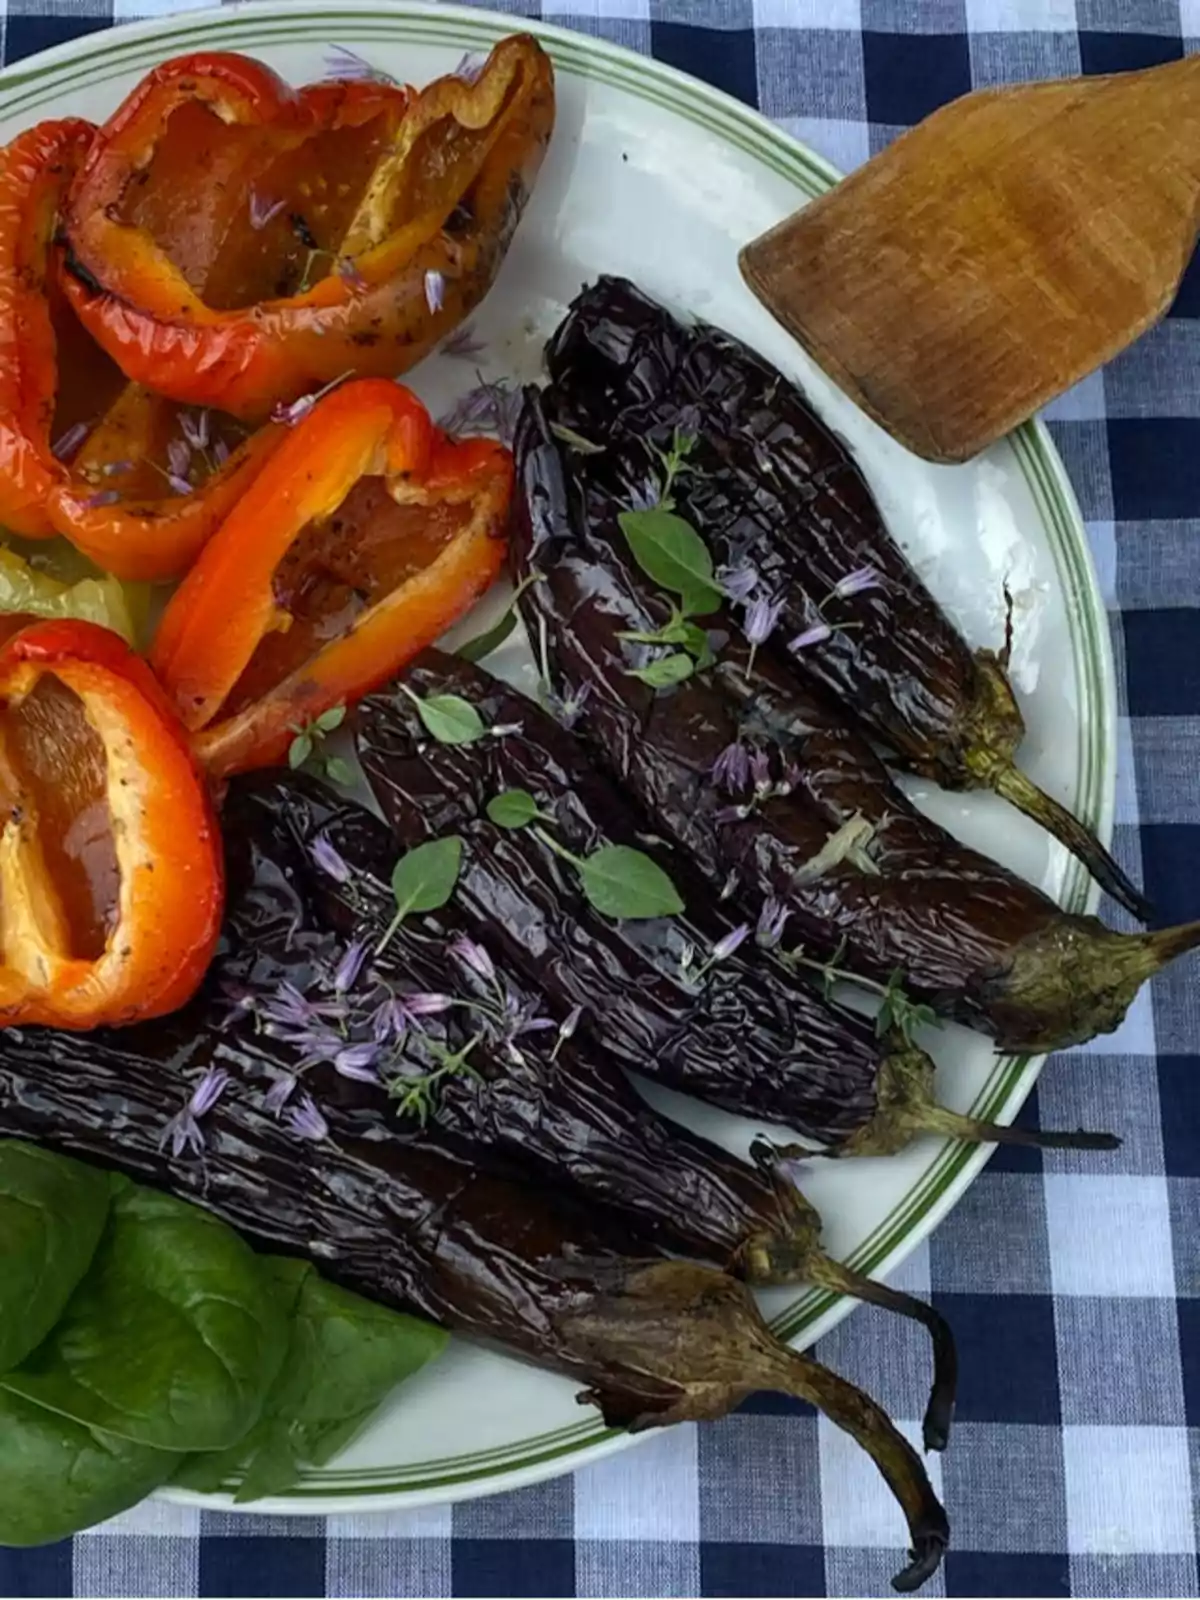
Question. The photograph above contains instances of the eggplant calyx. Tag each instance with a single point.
(993, 732)
(905, 1108)
(676, 1342)
(1074, 978)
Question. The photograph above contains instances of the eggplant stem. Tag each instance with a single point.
(905, 1107)
(677, 1342)
(873, 1430)
(939, 1409)
(1021, 791)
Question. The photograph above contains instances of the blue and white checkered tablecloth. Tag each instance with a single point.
(1075, 1294)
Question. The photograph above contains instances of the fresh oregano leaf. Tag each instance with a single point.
(669, 550)
(299, 750)
(329, 720)
(448, 718)
(423, 880)
(513, 808)
(666, 671)
(623, 882)
(339, 771)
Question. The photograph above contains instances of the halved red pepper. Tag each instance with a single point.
(104, 486)
(364, 538)
(111, 879)
(349, 226)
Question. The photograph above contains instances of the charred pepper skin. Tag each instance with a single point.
(775, 488)
(966, 935)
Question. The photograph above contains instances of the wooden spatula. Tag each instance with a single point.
(994, 255)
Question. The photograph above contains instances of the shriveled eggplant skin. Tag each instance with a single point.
(745, 1038)
(773, 487)
(967, 935)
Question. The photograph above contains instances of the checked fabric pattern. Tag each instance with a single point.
(1075, 1294)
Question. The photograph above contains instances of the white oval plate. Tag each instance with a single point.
(656, 176)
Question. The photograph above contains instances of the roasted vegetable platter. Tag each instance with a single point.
(524, 813)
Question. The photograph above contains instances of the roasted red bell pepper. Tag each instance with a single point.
(35, 170)
(90, 457)
(360, 270)
(110, 859)
(364, 538)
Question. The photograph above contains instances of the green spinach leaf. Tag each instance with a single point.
(57, 1476)
(344, 1357)
(52, 1213)
(172, 1338)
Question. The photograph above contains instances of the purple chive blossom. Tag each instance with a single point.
(426, 1005)
(329, 859)
(294, 1010)
(278, 1095)
(70, 441)
(732, 942)
(349, 967)
(731, 814)
(475, 957)
(306, 1122)
(195, 428)
(760, 621)
(435, 290)
(184, 1132)
(262, 209)
(816, 634)
(180, 485)
(760, 770)
(220, 452)
(470, 67)
(106, 497)
(488, 408)
(731, 769)
(357, 1061)
(349, 67)
(290, 415)
(567, 708)
(463, 344)
(856, 582)
(349, 273)
(771, 919)
(645, 496)
(737, 583)
(179, 457)
(114, 469)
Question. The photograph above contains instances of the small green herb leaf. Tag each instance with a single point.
(424, 879)
(575, 441)
(623, 882)
(331, 719)
(664, 672)
(339, 771)
(448, 718)
(299, 750)
(513, 808)
(669, 550)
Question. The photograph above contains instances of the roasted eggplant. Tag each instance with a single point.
(537, 1101)
(753, 773)
(737, 1032)
(413, 1221)
(772, 489)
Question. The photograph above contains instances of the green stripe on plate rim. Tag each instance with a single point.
(26, 90)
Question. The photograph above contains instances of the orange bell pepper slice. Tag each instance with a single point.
(106, 495)
(360, 270)
(111, 880)
(364, 538)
